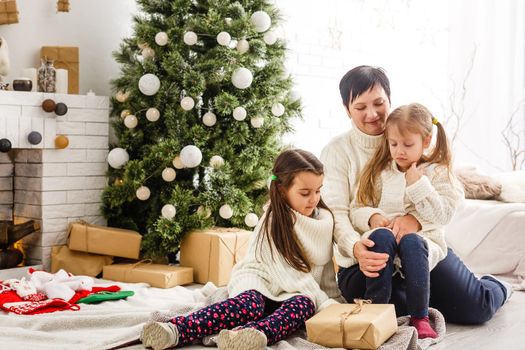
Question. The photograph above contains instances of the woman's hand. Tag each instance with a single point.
(378, 220)
(414, 173)
(403, 225)
(370, 263)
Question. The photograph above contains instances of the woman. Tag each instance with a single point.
(454, 290)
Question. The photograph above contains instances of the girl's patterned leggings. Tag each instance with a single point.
(249, 309)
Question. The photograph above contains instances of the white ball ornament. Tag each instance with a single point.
(242, 78)
(125, 113)
(216, 162)
(131, 121)
(177, 163)
(209, 119)
(117, 157)
(294, 95)
(277, 109)
(257, 122)
(168, 174)
(187, 103)
(224, 38)
(152, 114)
(148, 53)
(190, 38)
(270, 38)
(149, 84)
(203, 211)
(143, 193)
(161, 38)
(251, 219)
(122, 96)
(191, 156)
(239, 113)
(226, 211)
(168, 211)
(243, 46)
(261, 20)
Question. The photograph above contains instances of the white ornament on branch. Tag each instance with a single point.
(131, 121)
(168, 211)
(224, 38)
(278, 109)
(168, 174)
(242, 78)
(125, 113)
(216, 162)
(161, 38)
(270, 37)
(251, 219)
(143, 193)
(190, 38)
(187, 103)
(117, 157)
(122, 96)
(257, 122)
(149, 84)
(177, 163)
(152, 114)
(148, 53)
(243, 46)
(225, 211)
(209, 119)
(203, 211)
(239, 113)
(191, 156)
(261, 20)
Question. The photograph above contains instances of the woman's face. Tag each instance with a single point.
(370, 110)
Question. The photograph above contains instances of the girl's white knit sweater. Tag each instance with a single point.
(276, 279)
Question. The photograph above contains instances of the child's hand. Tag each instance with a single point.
(414, 173)
(378, 220)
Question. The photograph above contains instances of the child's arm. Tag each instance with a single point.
(435, 196)
(366, 218)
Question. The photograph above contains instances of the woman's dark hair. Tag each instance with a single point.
(361, 79)
(280, 229)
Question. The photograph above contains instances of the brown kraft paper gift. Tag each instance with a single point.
(157, 275)
(361, 325)
(77, 263)
(213, 252)
(104, 240)
(67, 58)
(8, 12)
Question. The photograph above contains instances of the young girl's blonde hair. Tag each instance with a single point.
(414, 118)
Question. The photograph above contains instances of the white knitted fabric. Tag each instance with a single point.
(432, 199)
(344, 158)
(276, 279)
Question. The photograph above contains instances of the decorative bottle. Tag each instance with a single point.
(47, 76)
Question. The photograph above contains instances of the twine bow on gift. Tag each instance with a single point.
(345, 315)
(134, 266)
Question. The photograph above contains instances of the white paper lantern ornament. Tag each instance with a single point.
(148, 53)
(251, 219)
(257, 122)
(243, 46)
(226, 211)
(131, 121)
(224, 38)
(161, 38)
(149, 84)
(278, 109)
(191, 156)
(190, 38)
(242, 78)
(261, 20)
(203, 211)
(209, 119)
(168, 174)
(187, 103)
(143, 193)
(168, 211)
(152, 114)
(117, 157)
(239, 113)
(177, 163)
(122, 96)
(216, 162)
(270, 38)
(125, 113)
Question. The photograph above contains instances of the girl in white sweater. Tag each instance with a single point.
(286, 276)
(401, 179)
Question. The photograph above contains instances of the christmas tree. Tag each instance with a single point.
(199, 110)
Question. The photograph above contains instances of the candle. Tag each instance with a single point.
(61, 83)
(30, 73)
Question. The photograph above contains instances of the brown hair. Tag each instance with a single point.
(280, 229)
(414, 118)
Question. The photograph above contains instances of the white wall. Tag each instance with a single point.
(95, 26)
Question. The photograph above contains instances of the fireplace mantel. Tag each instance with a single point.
(49, 185)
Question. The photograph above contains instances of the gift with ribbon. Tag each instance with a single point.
(104, 240)
(156, 275)
(8, 12)
(77, 263)
(361, 325)
(213, 252)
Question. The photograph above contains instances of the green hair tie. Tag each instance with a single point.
(273, 177)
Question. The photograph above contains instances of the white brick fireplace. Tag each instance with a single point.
(49, 185)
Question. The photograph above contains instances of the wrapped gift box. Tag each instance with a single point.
(161, 276)
(104, 240)
(67, 58)
(78, 263)
(8, 12)
(213, 252)
(352, 326)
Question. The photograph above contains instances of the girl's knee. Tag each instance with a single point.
(382, 236)
(412, 240)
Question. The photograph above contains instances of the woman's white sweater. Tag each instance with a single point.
(432, 200)
(276, 279)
